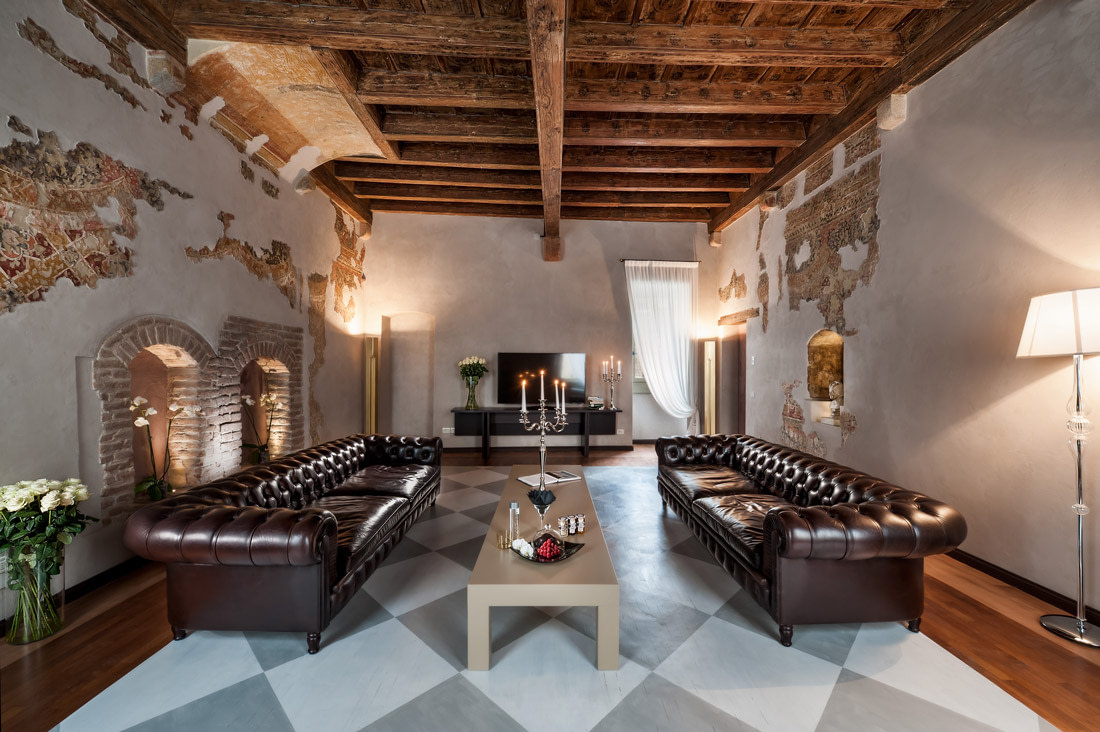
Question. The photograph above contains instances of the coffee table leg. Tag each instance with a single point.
(477, 632)
(607, 635)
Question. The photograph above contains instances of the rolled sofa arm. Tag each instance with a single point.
(200, 533)
(696, 450)
(904, 527)
(403, 450)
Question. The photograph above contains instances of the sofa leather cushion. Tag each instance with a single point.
(402, 481)
(363, 523)
(700, 481)
(740, 520)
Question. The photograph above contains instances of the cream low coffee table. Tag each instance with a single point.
(501, 577)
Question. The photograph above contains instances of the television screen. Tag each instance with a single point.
(512, 368)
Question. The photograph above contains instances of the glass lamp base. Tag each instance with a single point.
(1071, 628)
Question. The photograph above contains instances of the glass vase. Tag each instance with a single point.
(471, 395)
(38, 614)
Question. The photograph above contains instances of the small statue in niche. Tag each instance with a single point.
(836, 393)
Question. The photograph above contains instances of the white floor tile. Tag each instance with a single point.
(352, 683)
(547, 680)
(446, 530)
(409, 584)
(752, 677)
(688, 581)
(179, 673)
(466, 498)
(912, 662)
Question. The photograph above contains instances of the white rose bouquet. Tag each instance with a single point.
(37, 519)
(471, 369)
(156, 484)
(269, 402)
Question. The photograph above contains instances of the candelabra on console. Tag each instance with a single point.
(543, 425)
(611, 376)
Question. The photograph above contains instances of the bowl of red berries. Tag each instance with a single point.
(546, 547)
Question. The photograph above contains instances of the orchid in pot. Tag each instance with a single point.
(156, 485)
(471, 369)
(269, 402)
(39, 518)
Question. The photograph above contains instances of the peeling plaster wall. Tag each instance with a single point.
(486, 286)
(52, 413)
(987, 196)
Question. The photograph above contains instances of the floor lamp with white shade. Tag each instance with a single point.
(1068, 324)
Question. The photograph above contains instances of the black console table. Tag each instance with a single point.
(491, 421)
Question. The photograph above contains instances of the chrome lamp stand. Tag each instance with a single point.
(1077, 628)
(543, 425)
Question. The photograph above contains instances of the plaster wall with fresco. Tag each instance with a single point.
(140, 239)
(921, 246)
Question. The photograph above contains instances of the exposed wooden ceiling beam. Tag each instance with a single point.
(602, 95)
(546, 26)
(605, 159)
(533, 197)
(487, 37)
(147, 23)
(535, 212)
(610, 95)
(336, 190)
(731, 45)
(951, 39)
(431, 126)
(431, 175)
(344, 73)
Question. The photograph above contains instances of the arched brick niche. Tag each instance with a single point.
(259, 377)
(277, 351)
(164, 338)
(167, 375)
(824, 363)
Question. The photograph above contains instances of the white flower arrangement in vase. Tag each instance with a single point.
(156, 485)
(471, 369)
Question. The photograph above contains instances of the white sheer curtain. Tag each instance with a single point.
(662, 309)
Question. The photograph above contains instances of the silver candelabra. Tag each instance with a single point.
(543, 425)
(612, 379)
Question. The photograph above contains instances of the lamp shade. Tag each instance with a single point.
(1062, 324)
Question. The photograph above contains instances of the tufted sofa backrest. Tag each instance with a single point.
(300, 478)
(699, 450)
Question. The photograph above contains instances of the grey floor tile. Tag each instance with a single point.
(464, 552)
(659, 706)
(433, 512)
(442, 625)
(827, 642)
(859, 703)
(361, 612)
(405, 549)
(448, 706)
(650, 627)
(249, 704)
(692, 547)
(482, 513)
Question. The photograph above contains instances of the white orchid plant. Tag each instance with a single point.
(269, 402)
(37, 519)
(473, 367)
(156, 485)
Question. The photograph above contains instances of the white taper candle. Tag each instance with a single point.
(523, 395)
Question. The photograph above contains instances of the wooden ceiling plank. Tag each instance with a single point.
(147, 23)
(343, 70)
(646, 199)
(907, 4)
(546, 21)
(430, 175)
(505, 38)
(612, 213)
(451, 194)
(325, 180)
(445, 90)
(600, 95)
(950, 40)
(451, 127)
(711, 131)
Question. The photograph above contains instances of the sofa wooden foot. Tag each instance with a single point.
(313, 640)
(786, 634)
(178, 633)
(913, 625)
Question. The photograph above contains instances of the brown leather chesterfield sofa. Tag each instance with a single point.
(811, 541)
(285, 545)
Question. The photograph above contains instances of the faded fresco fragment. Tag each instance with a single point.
(50, 227)
(347, 268)
(794, 420)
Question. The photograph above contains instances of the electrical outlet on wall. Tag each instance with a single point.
(448, 430)
(620, 431)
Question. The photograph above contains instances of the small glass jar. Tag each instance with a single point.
(513, 521)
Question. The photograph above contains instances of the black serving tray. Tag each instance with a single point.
(568, 549)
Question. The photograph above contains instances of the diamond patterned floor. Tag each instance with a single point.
(697, 653)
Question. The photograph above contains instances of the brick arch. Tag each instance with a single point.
(111, 380)
(278, 349)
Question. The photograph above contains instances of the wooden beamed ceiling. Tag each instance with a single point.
(647, 110)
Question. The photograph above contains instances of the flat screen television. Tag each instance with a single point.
(512, 368)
